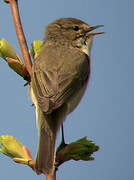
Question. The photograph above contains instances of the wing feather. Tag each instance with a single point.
(54, 86)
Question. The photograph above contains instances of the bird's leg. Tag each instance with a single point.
(63, 144)
(62, 131)
(60, 149)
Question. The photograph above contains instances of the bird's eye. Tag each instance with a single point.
(75, 28)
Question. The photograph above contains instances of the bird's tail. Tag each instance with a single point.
(48, 128)
(45, 158)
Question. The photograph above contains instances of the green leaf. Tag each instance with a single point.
(11, 147)
(13, 60)
(36, 48)
(81, 149)
(6, 50)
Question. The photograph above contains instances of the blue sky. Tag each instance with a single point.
(105, 114)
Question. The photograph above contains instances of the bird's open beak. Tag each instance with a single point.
(91, 28)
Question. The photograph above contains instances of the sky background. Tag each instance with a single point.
(106, 112)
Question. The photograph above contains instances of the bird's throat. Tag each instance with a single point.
(86, 47)
(84, 44)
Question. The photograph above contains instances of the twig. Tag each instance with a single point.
(51, 177)
(20, 34)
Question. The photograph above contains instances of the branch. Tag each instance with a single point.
(20, 34)
(51, 177)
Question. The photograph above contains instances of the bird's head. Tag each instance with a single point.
(70, 29)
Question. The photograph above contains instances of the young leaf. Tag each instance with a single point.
(11, 147)
(36, 48)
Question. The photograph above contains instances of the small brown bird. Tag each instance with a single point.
(60, 75)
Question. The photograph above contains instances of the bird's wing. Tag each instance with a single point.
(55, 85)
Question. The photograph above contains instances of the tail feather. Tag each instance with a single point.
(48, 125)
(45, 158)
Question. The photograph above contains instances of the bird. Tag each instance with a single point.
(59, 78)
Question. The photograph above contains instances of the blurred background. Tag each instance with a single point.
(105, 114)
